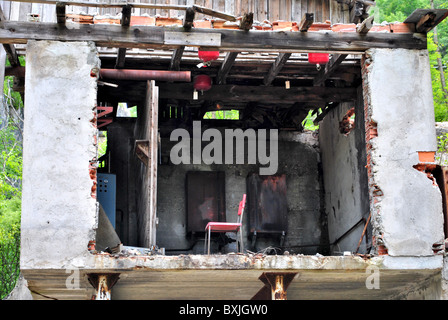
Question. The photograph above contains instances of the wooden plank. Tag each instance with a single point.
(192, 39)
(222, 39)
(426, 19)
(225, 67)
(267, 94)
(276, 67)
(330, 67)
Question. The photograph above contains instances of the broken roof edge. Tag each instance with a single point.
(105, 261)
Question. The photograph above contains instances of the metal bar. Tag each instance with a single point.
(142, 75)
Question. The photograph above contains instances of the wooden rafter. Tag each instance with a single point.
(225, 67)
(276, 67)
(330, 67)
(177, 54)
(365, 26)
(125, 22)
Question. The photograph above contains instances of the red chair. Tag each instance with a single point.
(227, 227)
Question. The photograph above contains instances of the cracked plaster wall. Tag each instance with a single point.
(406, 206)
(59, 210)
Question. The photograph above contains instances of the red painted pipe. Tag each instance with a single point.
(139, 75)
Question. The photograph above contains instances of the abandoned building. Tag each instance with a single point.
(359, 200)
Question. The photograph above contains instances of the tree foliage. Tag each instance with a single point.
(399, 10)
(10, 186)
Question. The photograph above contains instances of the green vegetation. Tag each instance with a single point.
(223, 114)
(10, 188)
(399, 10)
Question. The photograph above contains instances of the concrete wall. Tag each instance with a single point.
(59, 210)
(406, 206)
(298, 157)
(345, 180)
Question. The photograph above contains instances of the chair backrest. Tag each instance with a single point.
(241, 209)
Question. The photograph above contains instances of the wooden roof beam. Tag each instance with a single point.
(216, 39)
(276, 67)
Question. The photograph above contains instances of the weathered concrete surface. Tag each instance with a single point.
(236, 276)
(345, 180)
(408, 215)
(59, 214)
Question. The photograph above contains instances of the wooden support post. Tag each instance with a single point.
(307, 21)
(225, 67)
(103, 284)
(276, 67)
(60, 13)
(125, 22)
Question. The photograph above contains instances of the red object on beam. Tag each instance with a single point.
(318, 58)
(208, 55)
(202, 82)
(162, 75)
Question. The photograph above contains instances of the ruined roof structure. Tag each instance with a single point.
(359, 201)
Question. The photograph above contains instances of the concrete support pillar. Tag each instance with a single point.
(405, 202)
(59, 209)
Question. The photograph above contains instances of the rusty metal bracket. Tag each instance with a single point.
(142, 151)
(103, 283)
(275, 285)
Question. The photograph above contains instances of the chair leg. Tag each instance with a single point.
(209, 240)
(241, 242)
(205, 242)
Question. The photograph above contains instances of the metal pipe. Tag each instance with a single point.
(141, 75)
